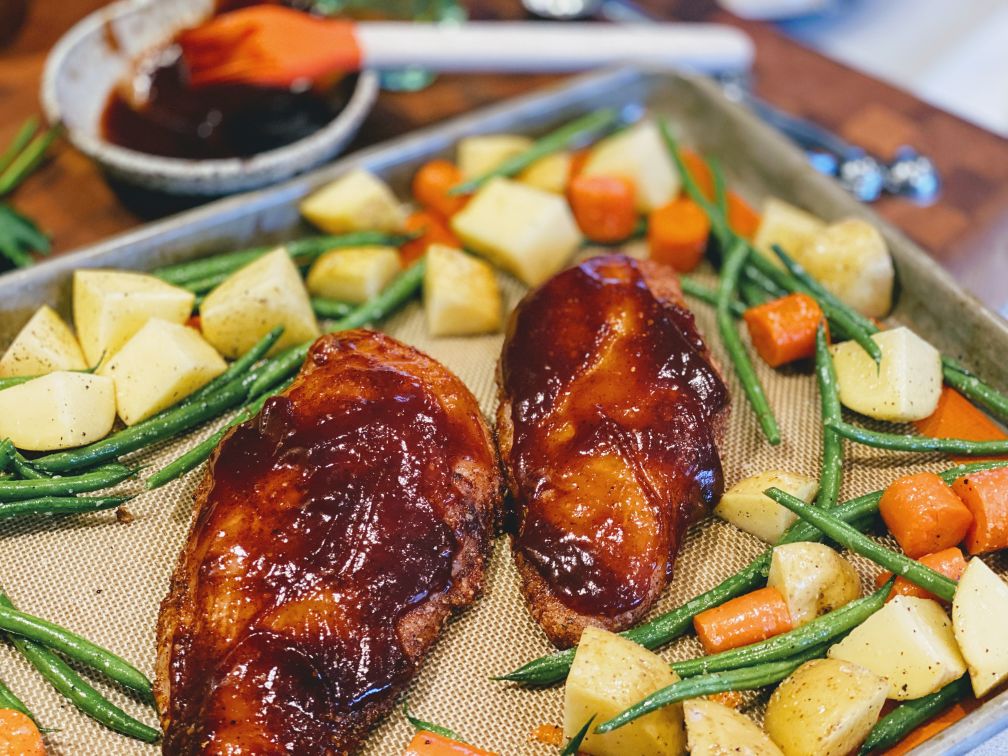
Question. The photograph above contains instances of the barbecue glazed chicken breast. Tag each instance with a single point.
(333, 536)
(610, 410)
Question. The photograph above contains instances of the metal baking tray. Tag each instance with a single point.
(757, 159)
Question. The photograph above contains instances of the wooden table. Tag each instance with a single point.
(967, 231)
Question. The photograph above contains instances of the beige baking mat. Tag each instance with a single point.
(105, 579)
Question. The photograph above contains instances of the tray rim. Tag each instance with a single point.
(971, 731)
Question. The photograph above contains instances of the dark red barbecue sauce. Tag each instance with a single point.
(328, 519)
(613, 447)
(157, 112)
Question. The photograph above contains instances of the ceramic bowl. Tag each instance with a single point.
(97, 53)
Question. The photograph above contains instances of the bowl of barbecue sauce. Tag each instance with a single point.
(119, 85)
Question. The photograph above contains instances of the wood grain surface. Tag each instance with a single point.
(967, 230)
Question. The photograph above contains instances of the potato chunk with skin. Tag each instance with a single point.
(746, 507)
(813, 579)
(851, 259)
(526, 231)
(478, 155)
(354, 274)
(57, 411)
(162, 364)
(550, 173)
(713, 729)
(906, 385)
(638, 154)
(608, 675)
(460, 293)
(254, 300)
(826, 707)
(45, 344)
(787, 226)
(909, 643)
(109, 306)
(356, 201)
(979, 618)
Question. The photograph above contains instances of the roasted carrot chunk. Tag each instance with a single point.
(431, 184)
(432, 230)
(742, 218)
(985, 494)
(426, 743)
(949, 562)
(18, 735)
(923, 514)
(747, 619)
(698, 169)
(677, 234)
(932, 727)
(956, 417)
(784, 330)
(603, 206)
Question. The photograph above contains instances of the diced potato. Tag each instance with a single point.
(826, 707)
(525, 231)
(254, 300)
(813, 579)
(478, 155)
(609, 674)
(639, 154)
(979, 618)
(45, 344)
(354, 274)
(357, 201)
(460, 292)
(713, 729)
(57, 411)
(909, 643)
(549, 173)
(851, 259)
(162, 364)
(905, 386)
(109, 306)
(785, 225)
(746, 507)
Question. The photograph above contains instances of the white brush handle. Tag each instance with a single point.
(521, 46)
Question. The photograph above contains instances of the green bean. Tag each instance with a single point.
(398, 292)
(855, 325)
(832, 444)
(330, 309)
(19, 142)
(746, 678)
(27, 160)
(979, 392)
(60, 505)
(6, 453)
(669, 626)
(899, 564)
(755, 276)
(77, 690)
(15, 380)
(10, 701)
(719, 224)
(93, 480)
(734, 260)
(24, 468)
(693, 288)
(74, 646)
(821, 630)
(555, 141)
(202, 451)
(235, 370)
(752, 294)
(909, 443)
(158, 428)
(574, 744)
(420, 724)
(908, 716)
(205, 285)
(302, 250)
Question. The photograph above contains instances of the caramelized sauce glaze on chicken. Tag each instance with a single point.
(609, 414)
(333, 536)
